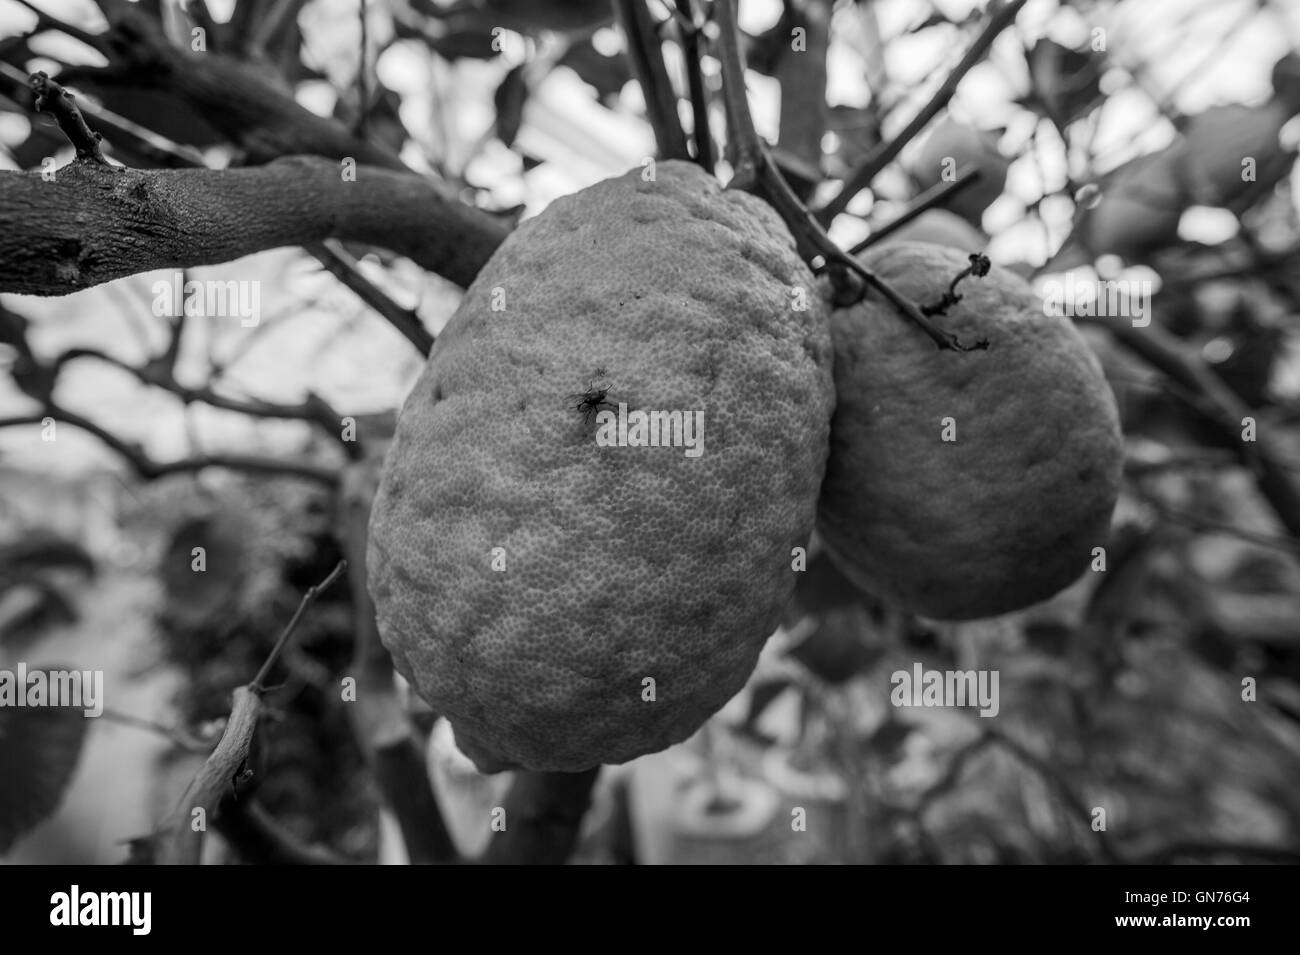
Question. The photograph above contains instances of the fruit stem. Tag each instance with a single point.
(757, 173)
(979, 267)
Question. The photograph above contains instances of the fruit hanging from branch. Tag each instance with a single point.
(565, 602)
(965, 485)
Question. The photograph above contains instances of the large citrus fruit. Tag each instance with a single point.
(965, 484)
(529, 581)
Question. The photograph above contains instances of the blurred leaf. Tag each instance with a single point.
(840, 647)
(509, 101)
(464, 44)
(28, 607)
(39, 747)
(607, 74)
(764, 51)
(1065, 82)
(193, 596)
(42, 549)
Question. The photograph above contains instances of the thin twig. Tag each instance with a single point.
(46, 21)
(645, 55)
(937, 195)
(261, 839)
(54, 99)
(882, 155)
(150, 469)
(690, 31)
(177, 737)
(259, 682)
(1064, 790)
(181, 837)
(159, 372)
(757, 173)
(343, 267)
(363, 97)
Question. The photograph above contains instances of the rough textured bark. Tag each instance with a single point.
(95, 223)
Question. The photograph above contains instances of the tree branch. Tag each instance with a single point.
(160, 372)
(96, 223)
(343, 267)
(758, 174)
(884, 153)
(645, 55)
(149, 469)
(261, 840)
(233, 96)
(54, 99)
(180, 843)
(691, 31)
(937, 195)
(163, 152)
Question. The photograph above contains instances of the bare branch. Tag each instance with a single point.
(149, 469)
(646, 57)
(757, 173)
(883, 154)
(344, 268)
(163, 152)
(255, 111)
(160, 372)
(937, 195)
(180, 842)
(691, 32)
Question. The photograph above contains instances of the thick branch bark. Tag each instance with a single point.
(95, 223)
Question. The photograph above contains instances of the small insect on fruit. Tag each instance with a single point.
(592, 401)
